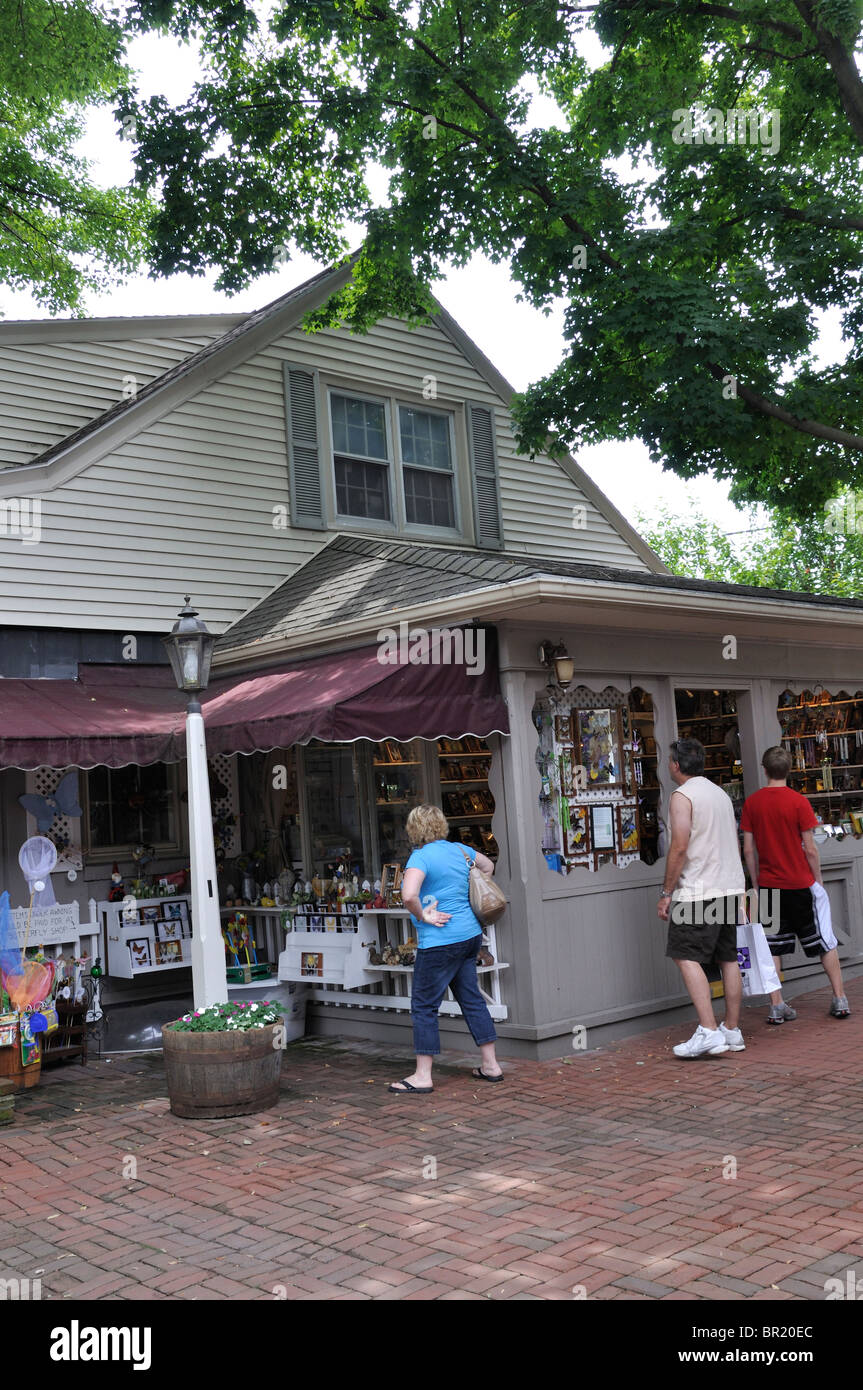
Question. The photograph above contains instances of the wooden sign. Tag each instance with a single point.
(55, 924)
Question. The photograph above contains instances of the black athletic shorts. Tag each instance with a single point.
(797, 922)
(705, 930)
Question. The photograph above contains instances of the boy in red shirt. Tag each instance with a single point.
(780, 852)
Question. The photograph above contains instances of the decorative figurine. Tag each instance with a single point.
(116, 893)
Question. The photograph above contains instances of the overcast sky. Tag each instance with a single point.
(522, 342)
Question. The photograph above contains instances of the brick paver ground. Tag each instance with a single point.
(604, 1172)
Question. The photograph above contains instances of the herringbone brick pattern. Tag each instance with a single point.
(606, 1175)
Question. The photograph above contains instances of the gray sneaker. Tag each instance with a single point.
(839, 1007)
(781, 1013)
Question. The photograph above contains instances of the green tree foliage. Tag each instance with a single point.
(60, 234)
(820, 555)
(693, 274)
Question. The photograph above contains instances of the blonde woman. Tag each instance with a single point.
(435, 891)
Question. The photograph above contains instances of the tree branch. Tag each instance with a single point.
(774, 53)
(544, 193)
(842, 63)
(779, 26)
(851, 224)
(778, 412)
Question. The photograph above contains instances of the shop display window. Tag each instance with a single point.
(397, 772)
(599, 790)
(330, 789)
(711, 716)
(467, 801)
(823, 732)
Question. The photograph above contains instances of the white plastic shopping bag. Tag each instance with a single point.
(755, 961)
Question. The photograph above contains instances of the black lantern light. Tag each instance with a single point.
(190, 647)
(559, 659)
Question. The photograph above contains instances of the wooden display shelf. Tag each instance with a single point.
(404, 763)
(815, 770)
(708, 718)
(464, 755)
(819, 733)
(818, 704)
(408, 969)
(814, 796)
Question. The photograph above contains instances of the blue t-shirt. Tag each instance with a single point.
(447, 881)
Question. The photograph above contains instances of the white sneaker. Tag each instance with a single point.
(705, 1042)
(733, 1037)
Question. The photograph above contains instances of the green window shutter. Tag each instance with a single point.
(304, 468)
(488, 529)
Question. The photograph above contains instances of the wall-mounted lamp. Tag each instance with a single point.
(558, 658)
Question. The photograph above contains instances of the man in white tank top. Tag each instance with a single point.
(700, 898)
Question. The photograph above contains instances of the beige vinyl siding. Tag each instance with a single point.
(47, 390)
(187, 505)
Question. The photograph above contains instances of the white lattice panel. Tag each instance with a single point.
(224, 769)
(43, 782)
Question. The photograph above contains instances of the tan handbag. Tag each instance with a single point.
(486, 899)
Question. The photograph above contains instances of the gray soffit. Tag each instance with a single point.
(354, 578)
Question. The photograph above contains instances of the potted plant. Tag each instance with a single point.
(224, 1060)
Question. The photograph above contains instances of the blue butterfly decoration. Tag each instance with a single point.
(62, 802)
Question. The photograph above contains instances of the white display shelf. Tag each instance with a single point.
(347, 970)
(119, 932)
(408, 969)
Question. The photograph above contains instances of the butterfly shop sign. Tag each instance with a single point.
(56, 924)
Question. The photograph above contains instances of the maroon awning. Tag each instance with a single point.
(114, 715)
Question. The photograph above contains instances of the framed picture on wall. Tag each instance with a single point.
(627, 829)
(563, 728)
(599, 747)
(577, 838)
(602, 828)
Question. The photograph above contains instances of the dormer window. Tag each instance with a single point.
(375, 461)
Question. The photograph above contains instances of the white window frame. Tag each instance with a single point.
(366, 523)
(108, 853)
(418, 528)
(398, 525)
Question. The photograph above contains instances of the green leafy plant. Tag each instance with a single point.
(61, 234)
(694, 274)
(228, 1018)
(817, 555)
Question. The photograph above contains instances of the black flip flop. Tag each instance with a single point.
(481, 1076)
(409, 1089)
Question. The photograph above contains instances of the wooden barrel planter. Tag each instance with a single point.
(213, 1075)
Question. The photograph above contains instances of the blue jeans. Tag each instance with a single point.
(438, 968)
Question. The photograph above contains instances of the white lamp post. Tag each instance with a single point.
(190, 648)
